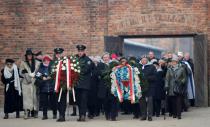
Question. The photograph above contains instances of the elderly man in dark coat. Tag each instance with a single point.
(146, 102)
(159, 89)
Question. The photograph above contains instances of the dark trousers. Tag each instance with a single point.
(192, 102)
(82, 100)
(157, 106)
(185, 103)
(146, 106)
(92, 103)
(62, 104)
(175, 105)
(48, 100)
(91, 109)
(99, 106)
(126, 107)
(136, 109)
(111, 107)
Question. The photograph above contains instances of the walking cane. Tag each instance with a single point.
(68, 105)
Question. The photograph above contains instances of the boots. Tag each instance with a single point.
(35, 114)
(107, 115)
(81, 118)
(6, 116)
(26, 114)
(44, 117)
(61, 119)
(54, 116)
(32, 113)
(17, 114)
(74, 111)
(149, 118)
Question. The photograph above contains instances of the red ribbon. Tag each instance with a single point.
(130, 83)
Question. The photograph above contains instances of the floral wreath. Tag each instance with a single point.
(66, 70)
(131, 86)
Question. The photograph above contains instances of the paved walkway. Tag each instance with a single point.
(196, 117)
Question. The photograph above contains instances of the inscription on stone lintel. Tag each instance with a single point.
(142, 20)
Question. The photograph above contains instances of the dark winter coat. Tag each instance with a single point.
(45, 86)
(12, 101)
(159, 87)
(92, 94)
(102, 86)
(149, 73)
(175, 75)
(86, 66)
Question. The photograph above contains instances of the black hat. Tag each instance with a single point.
(38, 53)
(81, 47)
(155, 63)
(123, 58)
(132, 58)
(58, 50)
(9, 61)
(29, 52)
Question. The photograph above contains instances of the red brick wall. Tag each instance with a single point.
(157, 17)
(45, 24)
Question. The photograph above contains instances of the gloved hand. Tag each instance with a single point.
(24, 71)
(32, 75)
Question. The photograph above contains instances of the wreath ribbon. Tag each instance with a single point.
(58, 76)
(119, 90)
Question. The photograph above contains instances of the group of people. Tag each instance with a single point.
(108, 84)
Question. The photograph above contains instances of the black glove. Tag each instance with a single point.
(24, 71)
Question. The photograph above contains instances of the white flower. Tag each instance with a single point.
(65, 61)
(74, 60)
(75, 65)
(72, 64)
(136, 70)
(63, 68)
(72, 68)
(38, 74)
(71, 57)
(65, 57)
(53, 70)
(75, 70)
(78, 71)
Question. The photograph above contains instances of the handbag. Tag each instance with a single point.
(178, 88)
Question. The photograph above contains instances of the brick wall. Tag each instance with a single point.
(45, 24)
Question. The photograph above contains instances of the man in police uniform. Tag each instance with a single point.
(83, 84)
(61, 106)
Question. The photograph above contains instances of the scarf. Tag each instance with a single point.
(8, 74)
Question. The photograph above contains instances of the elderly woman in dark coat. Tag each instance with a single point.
(148, 89)
(46, 88)
(175, 85)
(12, 90)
